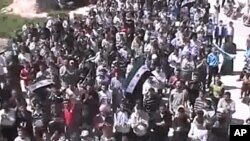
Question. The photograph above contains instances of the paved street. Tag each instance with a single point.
(241, 33)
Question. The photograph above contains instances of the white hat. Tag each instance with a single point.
(84, 133)
(104, 108)
(180, 107)
(141, 127)
(154, 56)
(71, 62)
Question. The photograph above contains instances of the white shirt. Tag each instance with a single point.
(105, 97)
(49, 24)
(20, 139)
(176, 42)
(32, 46)
(196, 45)
(136, 119)
(173, 59)
(2, 65)
(147, 85)
(160, 76)
(226, 105)
(121, 122)
(9, 118)
(99, 68)
(197, 134)
(65, 24)
(97, 58)
(187, 65)
(116, 20)
(129, 68)
(148, 48)
(136, 7)
(157, 26)
(115, 84)
(73, 93)
(99, 19)
(146, 36)
(123, 53)
(55, 51)
(230, 31)
(44, 74)
(62, 70)
(121, 5)
(24, 57)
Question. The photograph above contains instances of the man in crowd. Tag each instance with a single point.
(113, 56)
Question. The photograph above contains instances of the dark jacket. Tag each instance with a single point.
(157, 118)
(223, 32)
(25, 117)
(151, 104)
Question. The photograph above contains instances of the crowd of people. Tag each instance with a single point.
(94, 60)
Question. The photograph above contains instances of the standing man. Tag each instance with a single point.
(209, 31)
(220, 32)
(228, 105)
(217, 11)
(230, 32)
(213, 63)
(228, 63)
(2, 69)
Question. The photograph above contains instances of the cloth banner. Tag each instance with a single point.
(225, 55)
(40, 84)
(135, 74)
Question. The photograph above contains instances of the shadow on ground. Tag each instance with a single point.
(240, 49)
(230, 87)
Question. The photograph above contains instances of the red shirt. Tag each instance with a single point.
(98, 121)
(125, 29)
(173, 80)
(69, 116)
(24, 74)
(114, 71)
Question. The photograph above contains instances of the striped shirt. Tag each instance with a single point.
(151, 103)
(199, 104)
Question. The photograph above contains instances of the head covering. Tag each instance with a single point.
(104, 108)
(180, 107)
(71, 62)
(154, 56)
(84, 133)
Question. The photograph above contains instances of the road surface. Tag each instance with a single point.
(230, 82)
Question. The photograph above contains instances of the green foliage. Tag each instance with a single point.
(4, 3)
(9, 24)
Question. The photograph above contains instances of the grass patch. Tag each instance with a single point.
(9, 24)
(4, 3)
